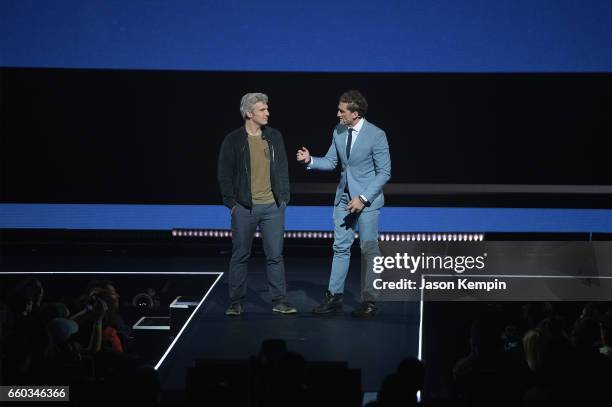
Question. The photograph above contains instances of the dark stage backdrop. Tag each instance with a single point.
(142, 136)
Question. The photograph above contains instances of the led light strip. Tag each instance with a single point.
(383, 237)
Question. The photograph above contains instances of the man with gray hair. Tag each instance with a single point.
(254, 182)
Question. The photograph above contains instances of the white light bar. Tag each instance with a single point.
(431, 237)
(308, 234)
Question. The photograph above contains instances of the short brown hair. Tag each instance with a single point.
(356, 102)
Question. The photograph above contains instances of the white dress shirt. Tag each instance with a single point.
(356, 129)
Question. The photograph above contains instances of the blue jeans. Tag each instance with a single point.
(271, 221)
(345, 225)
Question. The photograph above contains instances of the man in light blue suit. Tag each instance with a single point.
(363, 153)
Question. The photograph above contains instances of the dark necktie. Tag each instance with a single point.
(349, 141)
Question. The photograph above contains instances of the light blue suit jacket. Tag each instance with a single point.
(368, 168)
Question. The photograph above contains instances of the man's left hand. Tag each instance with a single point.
(355, 205)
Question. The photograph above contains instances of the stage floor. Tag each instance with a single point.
(376, 346)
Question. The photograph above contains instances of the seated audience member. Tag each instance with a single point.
(487, 375)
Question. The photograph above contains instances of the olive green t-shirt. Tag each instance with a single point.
(261, 189)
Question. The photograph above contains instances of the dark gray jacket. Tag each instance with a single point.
(234, 167)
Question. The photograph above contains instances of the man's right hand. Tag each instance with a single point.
(303, 155)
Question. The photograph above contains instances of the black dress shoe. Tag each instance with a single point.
(367, 310)
(331, 303)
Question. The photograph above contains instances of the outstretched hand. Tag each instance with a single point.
(303, 155)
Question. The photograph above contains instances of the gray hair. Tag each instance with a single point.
(248, 101)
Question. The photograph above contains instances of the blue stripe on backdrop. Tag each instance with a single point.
(318, 35)
(393, 219)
